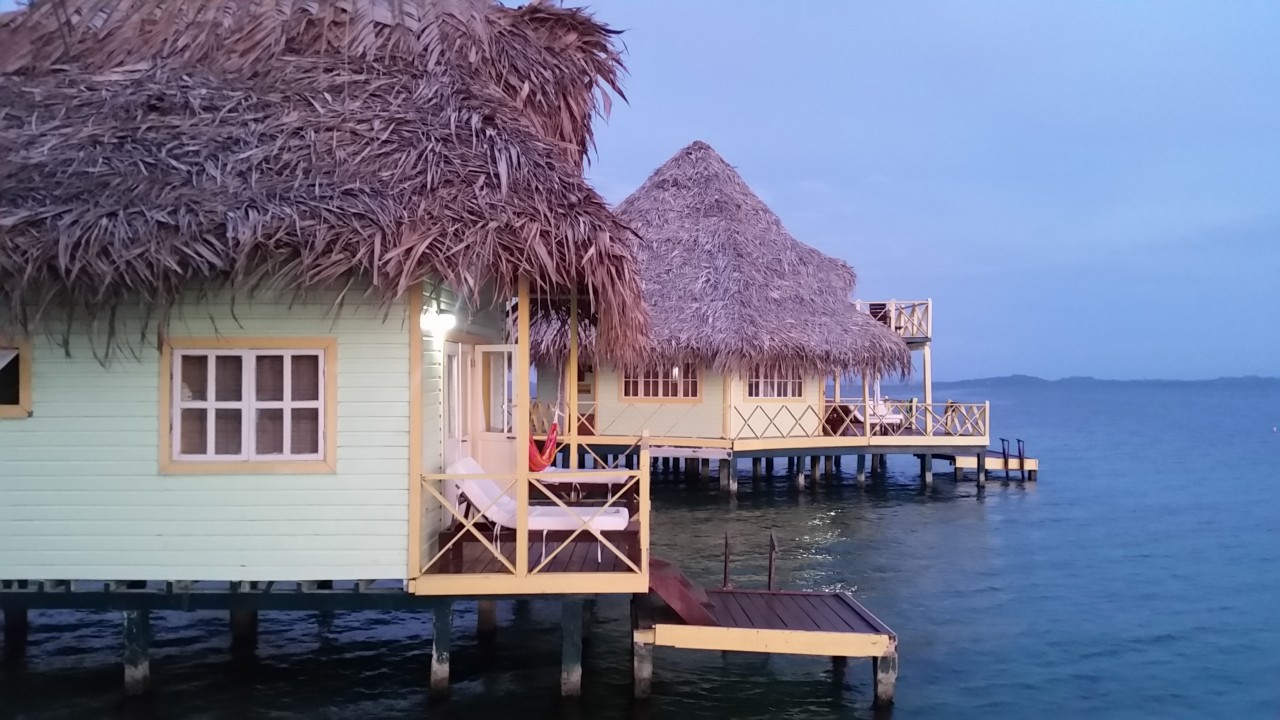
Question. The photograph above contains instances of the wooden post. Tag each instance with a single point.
(839, 664)
(799, 479)
(571, 378)
(862, 469)
(928, 389)
(137, 652)
(926, 469)
(728, 477)
(839, 462)
(244, 632)
(642, 664)
(571, 610)
(442, 619)
(704, 466)
(666, 465)
(755, 470)
(866, 409)
(885, 670)
(959, 474)
(520, 399)
(16, 628)
(829, 467)
(982, 469)
(486, 619)
(813, 470)
(768, 466)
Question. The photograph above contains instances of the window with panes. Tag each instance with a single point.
(677, 381)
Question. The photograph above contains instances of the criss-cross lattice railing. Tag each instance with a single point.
(909, 318)
(576, 499)
(783, 420)
(907, 418)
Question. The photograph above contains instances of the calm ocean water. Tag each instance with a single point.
(1139, 579)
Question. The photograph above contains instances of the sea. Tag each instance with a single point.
(1138, 578)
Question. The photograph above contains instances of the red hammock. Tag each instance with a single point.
(540, 460)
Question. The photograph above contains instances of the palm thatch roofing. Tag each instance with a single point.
(729, 288)
(152, 148)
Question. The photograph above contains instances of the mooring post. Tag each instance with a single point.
(862, 469)
(442, 619)
(982, 469)
(571, 647)
(926, 469)
(244, 632)
(137, 652)
(885, 670)
(486, 619)
(16, 629)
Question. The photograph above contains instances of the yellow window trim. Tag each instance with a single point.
(645, 400)
(23, 409)
(329, 465)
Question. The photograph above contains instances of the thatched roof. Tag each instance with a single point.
(728, 287)
(149, 148)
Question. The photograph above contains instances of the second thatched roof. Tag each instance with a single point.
(150, 149)
(729, 288)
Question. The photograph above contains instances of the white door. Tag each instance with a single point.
(494, 393)
(455, 429)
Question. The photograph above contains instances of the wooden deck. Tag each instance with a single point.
(790, 610)
(474, 558)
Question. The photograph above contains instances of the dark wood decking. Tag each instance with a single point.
(783, 610)
(580, 557)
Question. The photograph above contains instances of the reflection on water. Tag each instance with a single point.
(1134, 581)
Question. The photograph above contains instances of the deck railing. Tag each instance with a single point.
(887, 418)
(911, 319)
(488, 527)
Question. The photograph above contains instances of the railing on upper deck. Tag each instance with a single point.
(561, 531)
(911, 319)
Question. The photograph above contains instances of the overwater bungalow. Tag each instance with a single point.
(757, 347)
(257, 267)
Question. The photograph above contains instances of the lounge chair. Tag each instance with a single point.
(485, 496)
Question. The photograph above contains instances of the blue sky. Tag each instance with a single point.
(1082, 186)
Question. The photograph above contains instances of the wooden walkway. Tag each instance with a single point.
(679, 614)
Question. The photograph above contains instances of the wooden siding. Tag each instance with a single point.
(81, 495)
(678, 417)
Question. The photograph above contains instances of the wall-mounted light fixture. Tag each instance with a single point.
(436, 323)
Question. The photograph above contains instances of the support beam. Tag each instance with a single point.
(486, 619)
(885, 670)
(728, 477)
(959, 474)
(755, 470)
(926, 469)
(768, 467)
(982, 469)
(829, 467)
(244, 632)
(441, 637)
(813, 470)
(137, 652)
(571, 610)
(800, 480)
(704, 468)
(862, 469)
(16, 628)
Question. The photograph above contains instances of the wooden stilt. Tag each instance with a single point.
(728, 477)
(813, 470)
(137, 652)
(486, 619)
(982, 469)
(666, 465)
(16, 629)
(829, 467)
(959, 474)
(755, 470)
(244, 632)
(800, 479)
(885, 670)
(839, 462)
(571, 647)
(862, 469)
(1031, 475)
(642, 666)
(839, 664)
(442, 635)
(926, 469)
(768, 467)
(704, 468)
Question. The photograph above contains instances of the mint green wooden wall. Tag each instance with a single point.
(81, 497)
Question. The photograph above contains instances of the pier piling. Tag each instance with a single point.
(885, 670)
(16, 628)
(442, 619)
(768, 466)
(813, 469)
(571, 611)
(137, 652)
(755, 470)
(926, 469)
(829, 467)
(862, 469)
(642, 667)
(982, 469)
(486, 619)
(244, 632)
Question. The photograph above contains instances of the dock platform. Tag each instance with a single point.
(1028, 468)
(678, 614)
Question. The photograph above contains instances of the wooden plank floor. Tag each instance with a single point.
(791, 610)
(578, 557)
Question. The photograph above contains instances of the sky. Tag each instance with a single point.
(1088, 187)
(1083, 187)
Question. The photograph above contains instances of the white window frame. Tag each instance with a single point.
(684, 376)
(248, 405)
(775, 384)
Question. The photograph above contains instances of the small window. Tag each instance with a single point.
(774, 383)
(248, 405)
(15, 379)
(679, 381)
